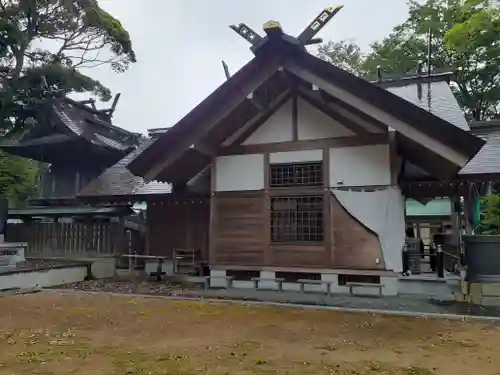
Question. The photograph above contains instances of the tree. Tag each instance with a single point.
(44, 43)
(345, 54)
(490, 215)
(43, 46)
(465, 38)
(18, 178)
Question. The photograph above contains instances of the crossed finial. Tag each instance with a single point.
(305, 38)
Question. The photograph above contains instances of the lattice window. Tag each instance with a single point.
(297, 219)
(296, 174)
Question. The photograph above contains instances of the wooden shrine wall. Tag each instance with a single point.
(178, 225)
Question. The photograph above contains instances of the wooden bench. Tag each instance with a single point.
(303, 282)
(257, 280)
(229, 281)
(159, 263)
(364, 285)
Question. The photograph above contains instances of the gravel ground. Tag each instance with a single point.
(414, 305)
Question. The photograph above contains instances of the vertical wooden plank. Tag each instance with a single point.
(147, 239)
(266, 213)
(455, 217)
(73, 235)
(295, 116)
(65, 236)
(467, 209)
(187, 209)
(327, 212)
(78, 237)
(212, 241)
(111, 230)
(95, 238)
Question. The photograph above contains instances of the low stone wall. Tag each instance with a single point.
(43, 278)
(484, 294)
(101, 267)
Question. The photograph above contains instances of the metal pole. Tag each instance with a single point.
(439, 261)
(405, 258)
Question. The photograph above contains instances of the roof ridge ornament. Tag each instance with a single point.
(318, 23)
(273, 28)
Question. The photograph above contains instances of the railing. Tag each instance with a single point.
(185, 261)
(439, 260)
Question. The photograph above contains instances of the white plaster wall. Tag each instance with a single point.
(360, 166)
(303, 156)
(314, 124)
(239, 172)
(277, 129)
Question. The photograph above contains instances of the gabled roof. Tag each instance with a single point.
(425, 139)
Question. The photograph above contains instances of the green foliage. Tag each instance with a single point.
(465, 39)
(18, 179)
(44, 44)
(344, 54)
(490, 215)
(80, 35)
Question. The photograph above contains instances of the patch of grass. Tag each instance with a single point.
(139, 363)
(51, 334)
(416, 370)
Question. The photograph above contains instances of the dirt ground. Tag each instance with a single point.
(74, 333)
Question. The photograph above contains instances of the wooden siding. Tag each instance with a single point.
(238, 231)
(178, 226)
(354, 245)
(241, 238)
(299, 255)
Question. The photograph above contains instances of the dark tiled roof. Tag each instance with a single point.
(118, 181)
(442, 101)
(92, 125)
(487, 160)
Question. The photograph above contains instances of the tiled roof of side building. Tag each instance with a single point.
(118, 181)
(487, 160)
(435, 97)
(90, 124)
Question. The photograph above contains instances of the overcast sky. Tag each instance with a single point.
(180, 45)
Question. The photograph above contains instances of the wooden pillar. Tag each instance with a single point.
(189, 225)
(266, 214)
(455, 218)
(212, 244)
(467, 210)
(147, 234)
(327, 209)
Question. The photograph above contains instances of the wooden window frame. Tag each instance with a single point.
(294, 175)
(302, 190)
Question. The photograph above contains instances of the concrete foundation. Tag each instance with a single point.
(390, 284)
